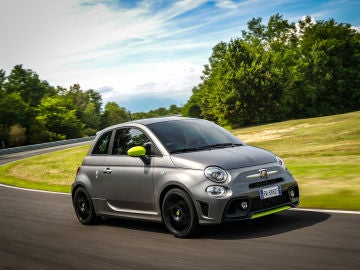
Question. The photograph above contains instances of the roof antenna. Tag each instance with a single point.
(129, 112)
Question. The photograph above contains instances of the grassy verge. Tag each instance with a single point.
(322, 153)
(54, 171)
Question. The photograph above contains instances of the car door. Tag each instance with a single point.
(128, 181)
(92, 165)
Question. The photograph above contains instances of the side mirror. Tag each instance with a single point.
(137, 151)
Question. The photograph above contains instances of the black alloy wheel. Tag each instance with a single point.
(84, 208)
(179, 214)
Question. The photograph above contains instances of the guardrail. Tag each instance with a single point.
(43, 145)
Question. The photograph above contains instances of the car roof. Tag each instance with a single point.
(148, 121)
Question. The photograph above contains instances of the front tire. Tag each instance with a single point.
(179, 214)
(84, 207)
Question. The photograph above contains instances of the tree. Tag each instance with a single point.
(113, 114)
(43, 112)
(61, 122)
(279, 71)
(94, 98)
(192, 107)
(329, 66)
(173, 109)
(13, 111)
(28, 84)
(2, 83)
(16, 135)
(79, 100)
(91, 119)
(249, 90)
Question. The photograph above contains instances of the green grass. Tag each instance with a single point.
(322, 153)
(54, 171)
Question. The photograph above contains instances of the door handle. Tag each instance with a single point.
(107, 171)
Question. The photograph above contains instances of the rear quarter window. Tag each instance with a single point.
(102, 144)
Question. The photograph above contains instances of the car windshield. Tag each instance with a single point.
(187, 135)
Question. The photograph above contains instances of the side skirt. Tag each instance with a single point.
(103, 208)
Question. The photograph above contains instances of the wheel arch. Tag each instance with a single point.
(83, 181)
(173, 186)
(74, 188)
(189, 226)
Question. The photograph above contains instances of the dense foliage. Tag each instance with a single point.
(272, 72)
(280, 71)
(33, 112)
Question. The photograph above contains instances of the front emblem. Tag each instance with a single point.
(263, 173)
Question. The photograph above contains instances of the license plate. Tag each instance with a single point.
(270, 192)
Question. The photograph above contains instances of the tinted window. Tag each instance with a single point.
(126, 138)
(102, 145)
(191, 134)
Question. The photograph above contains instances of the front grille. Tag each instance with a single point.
(265, 183)
(258, 204)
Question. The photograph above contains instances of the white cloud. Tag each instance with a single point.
(69, 42)
(174, 79)
(228, 4)
(357, 28)
(62, 30)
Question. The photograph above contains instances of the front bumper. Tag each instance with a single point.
(256, 206)
(243, 191)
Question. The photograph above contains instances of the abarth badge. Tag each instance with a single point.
(263, 173)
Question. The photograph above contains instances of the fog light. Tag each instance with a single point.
(215, 190)
(244, 205)
(292, 194)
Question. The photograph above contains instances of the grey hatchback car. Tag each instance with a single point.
(184, 172)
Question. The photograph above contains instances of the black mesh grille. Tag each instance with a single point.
(265, 183)
(258, 204)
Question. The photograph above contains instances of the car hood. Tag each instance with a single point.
(226, 158)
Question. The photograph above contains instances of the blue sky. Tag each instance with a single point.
(142, 54)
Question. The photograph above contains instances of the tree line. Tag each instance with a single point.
(273, 72)
(279, 71)
(32, 111)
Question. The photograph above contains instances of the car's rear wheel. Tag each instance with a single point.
(84, 207)
(179, 214)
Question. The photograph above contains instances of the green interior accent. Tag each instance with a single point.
(269, 212)
(137, 151)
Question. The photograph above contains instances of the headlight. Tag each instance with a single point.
(280, 162)
(216, 174)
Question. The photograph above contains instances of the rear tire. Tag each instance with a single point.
(179, 214)
(84, 207)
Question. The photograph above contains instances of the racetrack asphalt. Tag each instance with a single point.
(40, 231)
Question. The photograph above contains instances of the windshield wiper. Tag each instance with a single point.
(205, 147)
(223, 145)
(184, 150)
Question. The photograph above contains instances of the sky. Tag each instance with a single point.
(142, 54)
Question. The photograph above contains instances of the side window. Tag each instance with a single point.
(126, 138)
(102, 145)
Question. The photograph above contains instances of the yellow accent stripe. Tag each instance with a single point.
(269, 212)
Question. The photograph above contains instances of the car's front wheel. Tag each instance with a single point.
(84, 207)
(179, 214)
